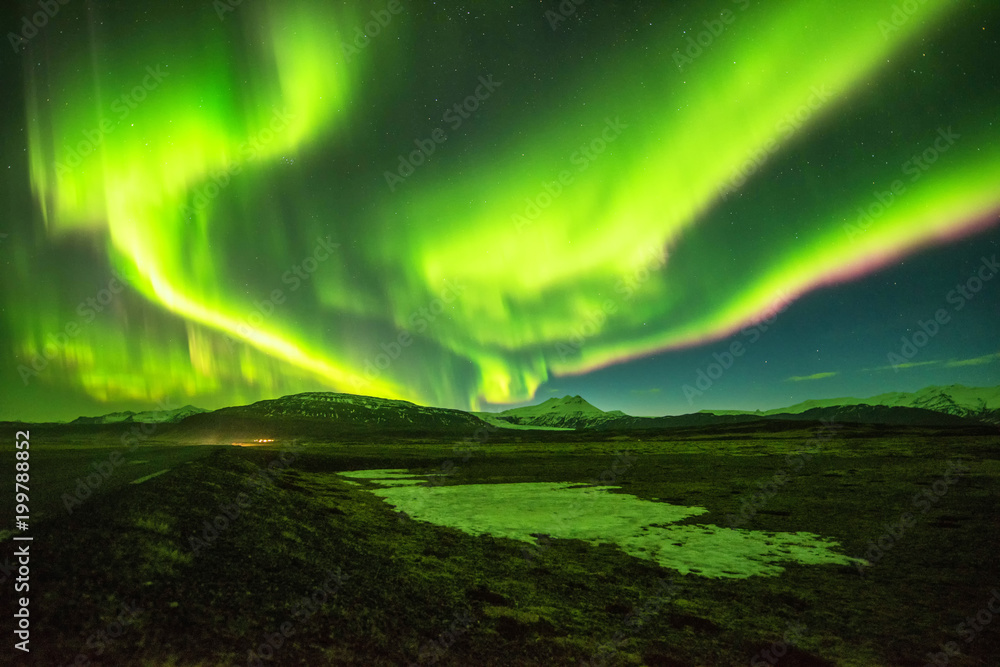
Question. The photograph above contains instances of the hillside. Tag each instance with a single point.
(327, 414)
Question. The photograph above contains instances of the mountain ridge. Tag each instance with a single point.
(144, 417)
(982, 403)
(329, 414)
(952, 405)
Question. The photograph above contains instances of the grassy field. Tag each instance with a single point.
(266, 555)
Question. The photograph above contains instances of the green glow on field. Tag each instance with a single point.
(641, 528)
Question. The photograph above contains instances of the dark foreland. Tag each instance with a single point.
(328, 528)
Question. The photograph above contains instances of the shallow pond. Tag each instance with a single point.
(566, 510)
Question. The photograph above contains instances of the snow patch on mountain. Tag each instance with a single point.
(566, 412)
(973, 402)
(147, 417)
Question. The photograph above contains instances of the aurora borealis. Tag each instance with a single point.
(462, 206)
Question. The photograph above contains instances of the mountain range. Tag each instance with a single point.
(326, 414)
(148, 417)
(982, 403)
(931, 406)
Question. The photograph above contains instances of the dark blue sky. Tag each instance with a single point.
(847, 329)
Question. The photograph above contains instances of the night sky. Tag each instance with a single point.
(471, 206)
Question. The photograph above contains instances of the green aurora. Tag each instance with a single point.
(604, 212)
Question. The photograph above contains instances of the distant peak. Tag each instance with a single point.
(558, 406)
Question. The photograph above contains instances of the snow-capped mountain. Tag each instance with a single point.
(565, 412)
(981, 403)
(148, 417)
(843, 414)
